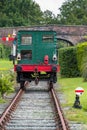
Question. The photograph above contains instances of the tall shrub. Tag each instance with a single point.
(82, 59)
(81, 53)
(84, 69)
(68, 62)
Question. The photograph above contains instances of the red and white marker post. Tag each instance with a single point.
(79, 91)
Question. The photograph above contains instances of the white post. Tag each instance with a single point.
(14, 50)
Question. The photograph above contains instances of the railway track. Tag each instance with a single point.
(37, 108)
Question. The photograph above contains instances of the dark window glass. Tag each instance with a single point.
(26, 54)
(48, 38)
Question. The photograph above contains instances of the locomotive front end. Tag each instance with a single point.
(36, 56)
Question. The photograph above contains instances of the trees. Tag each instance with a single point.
(24, 13)
(73, 12)
(19, 13)
(49, 17)
(28, 12)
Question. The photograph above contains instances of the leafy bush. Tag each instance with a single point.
(6, 83)
(82, 59)
(5, 51)
(68, 62)
(84, 68)
(81, 54)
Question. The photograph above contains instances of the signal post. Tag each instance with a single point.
(79, 91)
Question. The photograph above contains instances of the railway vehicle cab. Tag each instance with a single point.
(36, 56)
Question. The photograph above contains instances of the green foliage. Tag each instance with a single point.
(5, 65)
(84, 68)
(2, 52)
(73, 12)
(73, 61)
(28, 12)
(24, 13)
(6, 83)
(81, 54)
(7, 78)
(5, 51)
(19, 13)
(49, 18)
(68, 62)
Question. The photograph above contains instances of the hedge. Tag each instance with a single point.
(68, 62)
(81, 54)
(82, 59)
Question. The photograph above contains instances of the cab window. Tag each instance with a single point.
(26, 40)
(26, 54)
(48, 38)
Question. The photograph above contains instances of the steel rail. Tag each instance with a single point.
(7, 113)
(64, 123)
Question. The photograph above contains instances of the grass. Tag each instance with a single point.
(5, 64)
(67, 87)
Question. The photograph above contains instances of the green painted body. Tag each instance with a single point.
(42, 43)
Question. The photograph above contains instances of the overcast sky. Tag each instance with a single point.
(51, 5)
